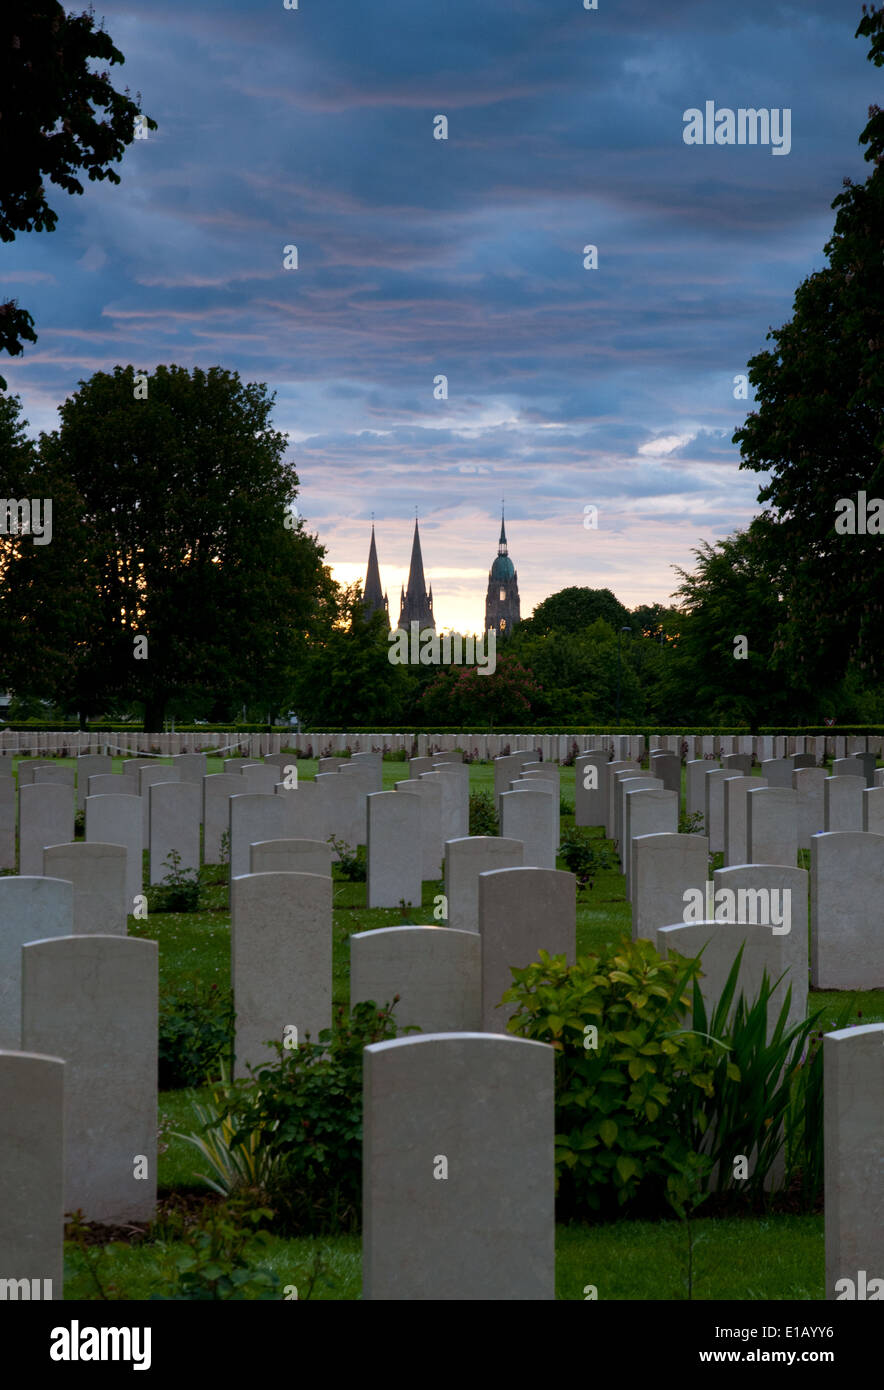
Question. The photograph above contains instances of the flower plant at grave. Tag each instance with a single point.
(195, 1035)
(483, 814)
(179, 890)
(306, 1111)
(352, 863)
(583, 856)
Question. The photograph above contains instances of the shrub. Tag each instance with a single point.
(214, 1259)
(573, 755)
(583, 856)
(617, 1141)
(483, 814)
(196, 1035)
(235, 1168)
(693, 824)
(758, 1084)
(307, 1107)
(179, 891)
(352, 866)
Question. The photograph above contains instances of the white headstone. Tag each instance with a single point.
(663, 868)
(465, 860)
(93, 1000)
(521, 912)
(458, 1169)
(32, 1171)
(117, 820)
(436, 973)
(853, 1119)
(843, 803)
(30, 908)
(46, 817)
(98, 876)
(281, 961)
(847, 888)
(174, 827)
(394, 849)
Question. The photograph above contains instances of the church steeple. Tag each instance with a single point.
(417, 604)
(373, 598)
(502, 608)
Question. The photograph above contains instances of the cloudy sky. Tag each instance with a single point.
(420, 257)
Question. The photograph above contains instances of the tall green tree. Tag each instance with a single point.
(464, 695)
(345, 676)
(58, 119)
(577, 673)
(573, 609)
(818, 429)
(729, 665)
(177, 569)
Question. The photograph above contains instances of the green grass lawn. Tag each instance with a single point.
(776, 1257)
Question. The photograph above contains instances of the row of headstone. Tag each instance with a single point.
(669, 871)
(469, 1108)
(407, 836)
(457, 982)
(475, 1111)
(78, 1094)
(554, 747)
(106, 1115)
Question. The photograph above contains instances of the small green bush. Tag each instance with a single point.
(693, 824)
(618, 1139)
(307, 1107)
(215, 1258)
(483, 814)
(352, 866)
(179, 891)
(196, 1035)
(584, 856)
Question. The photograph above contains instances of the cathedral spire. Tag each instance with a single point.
(373, 598)
(501, 544)
(416, 603)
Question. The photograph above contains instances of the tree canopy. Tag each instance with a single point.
(58, 119)
(172, 522)
(575, 608)
(818, 429)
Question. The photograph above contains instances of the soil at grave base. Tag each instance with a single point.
(188, 1205)
(783, 1204)
(717, 1204)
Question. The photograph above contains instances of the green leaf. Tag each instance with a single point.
(608, 1132)
(627, 1167)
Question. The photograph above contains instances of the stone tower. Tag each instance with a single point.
(373, 599)
(502, 600)
(417, 604)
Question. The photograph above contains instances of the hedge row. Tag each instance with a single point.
(709, 731)
(61, 726)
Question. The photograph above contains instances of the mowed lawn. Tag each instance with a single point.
(774, 1257)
